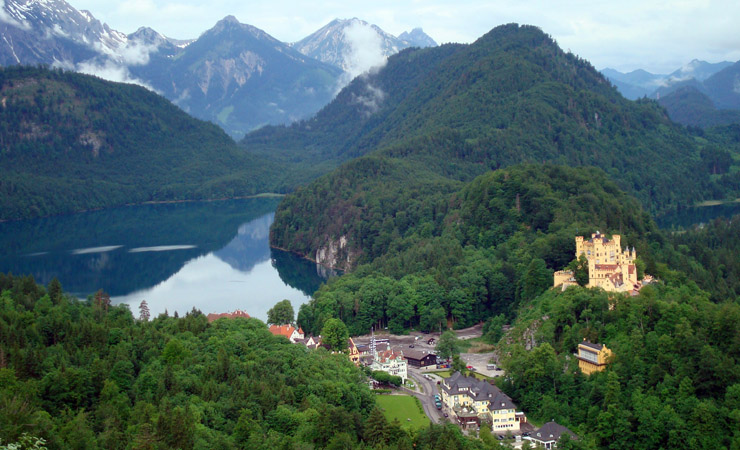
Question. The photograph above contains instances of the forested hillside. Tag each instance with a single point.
(491, 246)
(88, 375)
(512, 96)
(462, 257)
(73, 142)
(673, 382)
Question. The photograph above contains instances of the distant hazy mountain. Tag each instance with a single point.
(688, 106)
(703, 101)
(724, 87)
(355, 46)
(635, 84)
(640, 83)
(417, 38)
(240, 78)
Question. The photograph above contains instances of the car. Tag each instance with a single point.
(439, 406)
(446, 415)
(411, 346)
(526, 433)
(499, 437)
(470, 367)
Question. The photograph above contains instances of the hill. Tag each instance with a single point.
(434, 118)
(689, 106)
(74, 142)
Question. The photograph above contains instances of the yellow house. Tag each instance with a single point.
(354, 353)
(609, 266)
(592, 357)
(474, 401)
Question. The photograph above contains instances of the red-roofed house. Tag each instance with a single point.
(237, 313)
(289, 331)
(392, 362)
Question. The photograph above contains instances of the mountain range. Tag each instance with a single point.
(641, 83)
(699, 94)
(433, 118)
(234, 74)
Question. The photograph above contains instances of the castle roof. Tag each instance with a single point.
(596, 347)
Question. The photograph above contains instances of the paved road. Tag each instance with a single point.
(427, 397)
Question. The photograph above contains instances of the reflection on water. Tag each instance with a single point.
(213, 256)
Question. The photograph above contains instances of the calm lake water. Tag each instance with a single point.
(213, 256)
(697, 215)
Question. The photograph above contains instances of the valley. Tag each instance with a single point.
(359, 184)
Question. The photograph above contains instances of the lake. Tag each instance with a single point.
(213, 256)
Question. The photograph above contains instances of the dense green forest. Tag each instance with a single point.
(71, 142)
(512, 96)
(492, 246)
(87, 375)
(674, 379)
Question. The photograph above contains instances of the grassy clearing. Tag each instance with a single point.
(403, 407)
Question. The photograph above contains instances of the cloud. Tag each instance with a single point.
(111, 71)
(371, 100)
(363, 52)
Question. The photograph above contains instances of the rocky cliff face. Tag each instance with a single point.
(336, 254)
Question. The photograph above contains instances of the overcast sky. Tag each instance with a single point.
(659, 36)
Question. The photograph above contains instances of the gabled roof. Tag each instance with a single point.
(238, 313)
(478, 391)
(389, 355)
(416, 354)
(551, 431)
(282, 330)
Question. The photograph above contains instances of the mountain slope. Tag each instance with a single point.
(724, 87)
(450, 113)
(241, 78)
(688, 106)
(52, 31)
(350, 44)
(72, 142)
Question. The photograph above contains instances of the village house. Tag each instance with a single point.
(416, 358)
(609, 266)
(353, 352)
(289, 331)
(238, 313)
(391, 362)
(549, 435)
(476, 401)
(592, 357)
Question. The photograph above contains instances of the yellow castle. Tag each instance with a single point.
(609, 267)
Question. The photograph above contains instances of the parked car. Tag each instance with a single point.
(446, 415)
(411, 346)
(439, 406)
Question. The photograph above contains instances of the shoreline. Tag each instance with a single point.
(154, 202)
